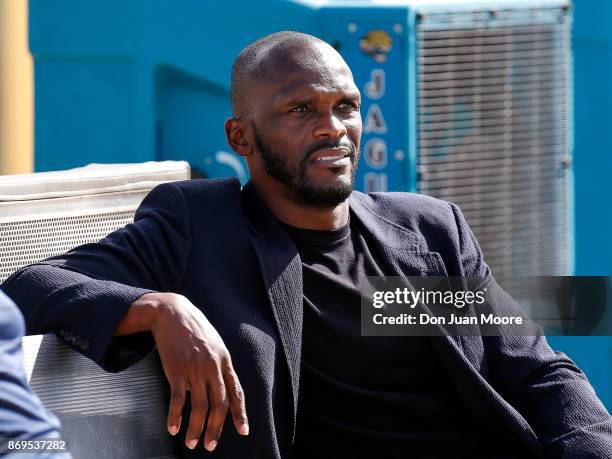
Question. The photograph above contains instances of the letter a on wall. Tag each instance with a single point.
(375, 122)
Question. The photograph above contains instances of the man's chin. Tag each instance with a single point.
(328, 177)
(327, 194)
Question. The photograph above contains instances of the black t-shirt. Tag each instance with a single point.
(362, 396)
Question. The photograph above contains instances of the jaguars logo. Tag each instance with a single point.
(377, 44)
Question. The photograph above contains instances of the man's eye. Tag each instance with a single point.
(348, 105)
(298, 109)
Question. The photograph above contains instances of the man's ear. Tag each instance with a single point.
(236, 139)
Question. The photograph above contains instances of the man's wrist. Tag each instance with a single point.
(142, 314)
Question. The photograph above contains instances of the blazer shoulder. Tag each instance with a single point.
(199, 195)
(416, 211)
(215, 188)
(439, 225)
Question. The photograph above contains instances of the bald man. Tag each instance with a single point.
(252, 297)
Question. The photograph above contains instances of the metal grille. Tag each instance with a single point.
(493, 131)
(28, 241)
(125, 412)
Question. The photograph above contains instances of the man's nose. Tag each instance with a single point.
(329, 126)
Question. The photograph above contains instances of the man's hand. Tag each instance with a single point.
(195, 359)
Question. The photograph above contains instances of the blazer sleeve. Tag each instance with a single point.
(545, 386)
(84, 294)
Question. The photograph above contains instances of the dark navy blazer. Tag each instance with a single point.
(222, 248)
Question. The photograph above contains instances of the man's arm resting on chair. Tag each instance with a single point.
(99, 298)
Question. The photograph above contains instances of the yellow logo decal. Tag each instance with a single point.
(376, 43)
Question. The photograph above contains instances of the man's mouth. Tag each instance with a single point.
(333, 157)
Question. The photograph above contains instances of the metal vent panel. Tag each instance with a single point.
(28, 241)
(104, 415)
(492, 107)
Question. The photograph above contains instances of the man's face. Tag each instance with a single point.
(307, 126)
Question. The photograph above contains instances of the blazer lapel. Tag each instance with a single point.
(281, 269)
(402, 252)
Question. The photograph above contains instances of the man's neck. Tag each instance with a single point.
(295, 212)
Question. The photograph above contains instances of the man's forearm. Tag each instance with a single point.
(53, 298)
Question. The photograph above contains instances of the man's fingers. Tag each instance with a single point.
(192, 351)
(177, 400)
(219, 406)
(237, 403)
(199, 409)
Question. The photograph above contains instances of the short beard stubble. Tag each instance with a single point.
(316, 195)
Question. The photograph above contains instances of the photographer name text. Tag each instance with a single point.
(426, 319)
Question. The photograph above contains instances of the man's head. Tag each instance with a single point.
(296, 118)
